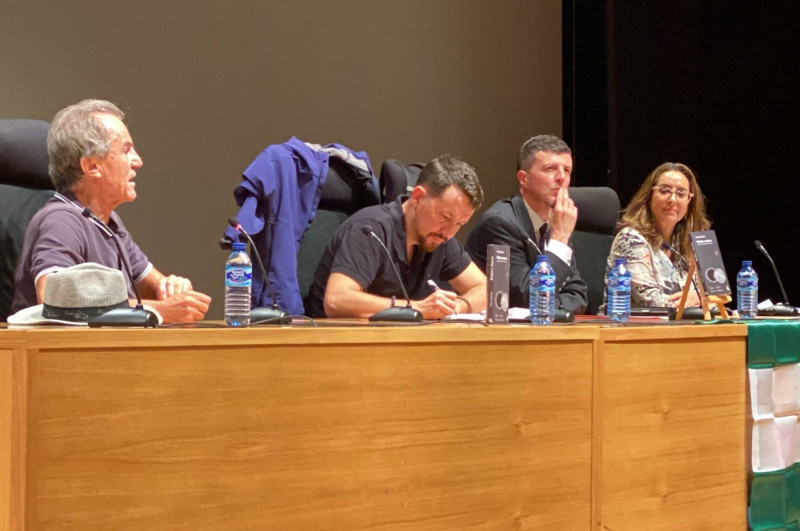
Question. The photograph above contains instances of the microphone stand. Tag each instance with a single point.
(135, 317)
(394, 313)
(690, 313)
(561, 315)
(782, 309)
(667, 247)
(273, 314)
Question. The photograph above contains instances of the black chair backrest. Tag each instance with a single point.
(598, 212)
(23, 153)
(397, 179)
(345, 191)
(24, 187)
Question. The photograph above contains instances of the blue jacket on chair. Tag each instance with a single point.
(278, 199)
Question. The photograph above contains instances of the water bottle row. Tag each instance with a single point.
(619, 291)
(542, 290)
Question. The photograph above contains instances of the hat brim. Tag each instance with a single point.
(33, 316)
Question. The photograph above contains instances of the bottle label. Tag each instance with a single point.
(543, 282)
(238, 276)
(619, 283)
(747, 283)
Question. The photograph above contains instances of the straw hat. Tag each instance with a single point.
(74, 295)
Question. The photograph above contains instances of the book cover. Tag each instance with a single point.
(497, 267)
(710, 267)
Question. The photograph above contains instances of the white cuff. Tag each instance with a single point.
(561, 250)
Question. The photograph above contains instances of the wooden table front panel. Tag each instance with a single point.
(439, 435)
(671, 426)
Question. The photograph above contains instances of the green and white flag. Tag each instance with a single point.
(773, 361)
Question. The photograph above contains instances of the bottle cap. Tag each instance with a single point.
(541, 257)
(747, 263)
(239, 246)
(618, 261)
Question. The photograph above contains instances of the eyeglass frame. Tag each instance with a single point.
(673, 191)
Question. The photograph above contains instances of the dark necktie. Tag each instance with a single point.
(543, 236)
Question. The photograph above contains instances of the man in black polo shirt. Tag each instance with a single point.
(355, 277)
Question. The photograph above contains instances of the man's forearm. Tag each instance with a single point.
(355, 304)
(474, 299)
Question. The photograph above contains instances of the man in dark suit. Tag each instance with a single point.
(540, 219)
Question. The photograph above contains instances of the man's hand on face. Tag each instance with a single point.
(563, 217)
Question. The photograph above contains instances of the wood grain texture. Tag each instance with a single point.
(437, 435)
(5, 439)
(439, 427)
(673, 435)
(57, 338)
(13, 435)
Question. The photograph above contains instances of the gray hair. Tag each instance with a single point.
(548, 143)
(77, 132)
(446, 170)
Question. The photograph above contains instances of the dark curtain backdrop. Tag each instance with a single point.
(710, 83)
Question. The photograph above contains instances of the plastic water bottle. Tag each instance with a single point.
(238, 281)
(619, 291)
(747, 291)
(542, 292)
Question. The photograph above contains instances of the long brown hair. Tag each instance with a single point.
(638, 215)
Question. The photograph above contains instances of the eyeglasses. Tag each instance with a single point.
(681, 194)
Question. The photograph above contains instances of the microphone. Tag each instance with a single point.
(667, 247)
(137, 316)
(562, 315)
(394, 313)
(532, 244)
(782, 308)
(272, 314)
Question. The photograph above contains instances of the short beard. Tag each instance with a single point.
(423, 242)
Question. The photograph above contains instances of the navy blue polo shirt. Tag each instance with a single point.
(360, 257)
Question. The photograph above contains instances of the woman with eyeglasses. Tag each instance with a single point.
(653, 236)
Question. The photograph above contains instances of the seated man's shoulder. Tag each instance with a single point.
(54, 205)
(374, 218)
(55, 214)
(496, 225)
(500, 216)
(371, 212)
(501, 208)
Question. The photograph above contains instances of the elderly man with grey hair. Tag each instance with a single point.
(93, 163)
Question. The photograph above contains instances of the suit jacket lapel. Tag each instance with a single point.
(523, 219)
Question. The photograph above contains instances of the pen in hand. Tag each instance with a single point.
(433, 284)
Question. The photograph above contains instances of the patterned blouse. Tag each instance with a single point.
(653, 275)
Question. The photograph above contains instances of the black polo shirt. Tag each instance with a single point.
(360, 257)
